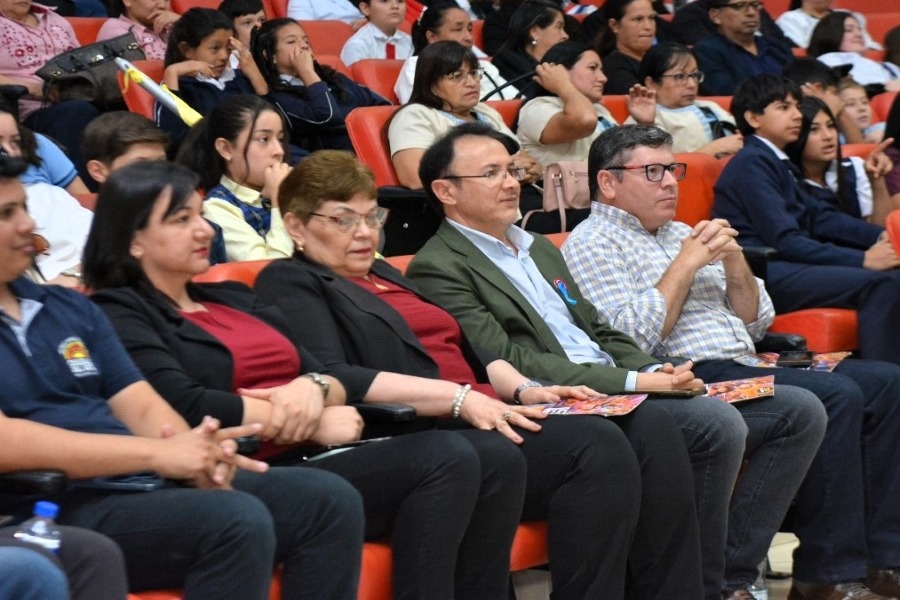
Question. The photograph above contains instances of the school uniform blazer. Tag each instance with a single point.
(455, 274)
(759, 195)
(351, 331)
(190, 368)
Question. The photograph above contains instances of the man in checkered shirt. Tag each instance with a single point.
(688, 292)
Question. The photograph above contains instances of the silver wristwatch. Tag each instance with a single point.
(320, 381)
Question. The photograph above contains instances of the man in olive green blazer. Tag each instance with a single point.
(481, 268)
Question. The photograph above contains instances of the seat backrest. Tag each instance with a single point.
(892, 224)
(137, 99)
(244, 271)
(861, 150)
(508, 109)
(379, 75)
(182, 6)
(478, 33)
(723, 101)
(275, 9)
(86, 28)
(695, 191)
(400, 262)
(558, 239)
(881, 105)
(87, 200)
(327, 36)
(367, 128)
(334, 61)
(617, 106)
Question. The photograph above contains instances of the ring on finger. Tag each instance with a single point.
(497, 421)
(507, 415)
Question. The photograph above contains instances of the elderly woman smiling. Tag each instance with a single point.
(375, 332)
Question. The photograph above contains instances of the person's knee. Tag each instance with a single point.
(242, 521)
(336, 503)
(721, 426)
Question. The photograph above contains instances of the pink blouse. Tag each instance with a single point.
(25, 49)
(154, 46)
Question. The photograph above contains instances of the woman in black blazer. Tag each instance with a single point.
(586, 476)
(450, 502)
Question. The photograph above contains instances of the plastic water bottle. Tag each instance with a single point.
(758, 589)
(41, 529)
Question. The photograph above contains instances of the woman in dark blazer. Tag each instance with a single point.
(586, 476)
(449, 501)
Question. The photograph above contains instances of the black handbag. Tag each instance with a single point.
(89, 73)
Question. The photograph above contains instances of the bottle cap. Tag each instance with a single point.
(46, 509)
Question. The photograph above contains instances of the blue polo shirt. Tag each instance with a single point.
(62, 362)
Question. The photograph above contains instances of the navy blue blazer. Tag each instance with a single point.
(725, 64)
(760, 196)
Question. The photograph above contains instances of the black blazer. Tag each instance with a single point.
(190, 368)
(353, 332)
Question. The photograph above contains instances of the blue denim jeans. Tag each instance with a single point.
(847, 515)
(28, 575)
(779, 436)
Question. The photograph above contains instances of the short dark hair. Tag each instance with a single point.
(828, 33)
(811, 70)
(613, 148)
(564, 53)
(660, 58)
(755, 93)
(110, 135)
(430, 20)
(194, 26)
(435, 61)
(532, 13)
(123, 208)
(227, 120)
(11, 167)
(436, 161)
(238, 8)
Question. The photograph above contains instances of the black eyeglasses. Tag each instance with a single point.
(495, 175)
(350, 221)
(682, 78)
(656, 171)
(742, 6)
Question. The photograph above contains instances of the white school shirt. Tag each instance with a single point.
(371, 42)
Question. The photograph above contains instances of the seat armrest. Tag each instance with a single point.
(758, 258)
(779, 342)
(386, 413)
(33, 482)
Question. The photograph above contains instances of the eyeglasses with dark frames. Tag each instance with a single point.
(495, 175)
(682, 78)
(743, 6)
(656, 171)
(350, 221)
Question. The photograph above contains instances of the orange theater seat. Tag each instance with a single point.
(334, 61)
(86, 28)
(137, 99)
(478, 33)
(825, 329)
(275, 9)
(723, 101)
(244, 271)
(379, 75)
(367, 128)
(558, 239)
(327, 36)
(182, 6)
(881, 105)
(508, 109)
(87, 200)
(892, 224)
(617, 106)
(861, 149)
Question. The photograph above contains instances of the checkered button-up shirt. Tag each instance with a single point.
(617, 264)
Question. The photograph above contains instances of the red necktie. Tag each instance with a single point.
(390, 51)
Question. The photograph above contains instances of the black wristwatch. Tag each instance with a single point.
(320, 381)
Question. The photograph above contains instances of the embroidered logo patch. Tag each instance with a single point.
(77, 357)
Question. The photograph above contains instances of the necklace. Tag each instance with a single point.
(375, 283)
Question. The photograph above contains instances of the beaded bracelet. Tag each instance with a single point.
(458, 400)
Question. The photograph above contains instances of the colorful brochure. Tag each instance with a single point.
(820, 362)
(739, 390)
(606, 406)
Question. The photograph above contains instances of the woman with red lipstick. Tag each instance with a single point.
(854, 185)
(198, 68)
(238, 151)
(449, 501)
(671, 71)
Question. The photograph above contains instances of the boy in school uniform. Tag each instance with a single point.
(381, 36)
